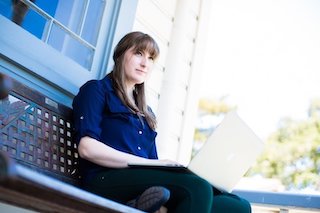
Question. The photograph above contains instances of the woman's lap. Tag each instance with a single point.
(189, 193)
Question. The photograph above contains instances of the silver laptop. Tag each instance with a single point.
(226, 156)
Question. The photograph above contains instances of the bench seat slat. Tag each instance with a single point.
(24, 187)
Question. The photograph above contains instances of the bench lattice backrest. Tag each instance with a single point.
(37, 132)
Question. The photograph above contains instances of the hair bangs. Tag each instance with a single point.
(149, 45)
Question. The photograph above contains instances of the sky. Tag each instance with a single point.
(263, 57)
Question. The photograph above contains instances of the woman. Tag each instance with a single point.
(114, 127)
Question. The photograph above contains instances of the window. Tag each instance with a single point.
(71, 27)
(56, 46)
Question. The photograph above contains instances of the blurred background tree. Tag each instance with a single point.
(210, 113)
(292, 152)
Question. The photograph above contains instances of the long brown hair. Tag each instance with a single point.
(140, 42)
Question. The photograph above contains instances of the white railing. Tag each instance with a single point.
(282, 202)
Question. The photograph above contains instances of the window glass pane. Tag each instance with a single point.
(20, 14)
(34, 23)
(47, 6)
(5, 8)
(70, 26)
(73, 18)
(57, 38)
(71, 47)
(93, 21)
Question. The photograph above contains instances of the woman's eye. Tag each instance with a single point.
(139, 53)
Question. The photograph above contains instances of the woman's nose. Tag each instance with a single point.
(144, 61)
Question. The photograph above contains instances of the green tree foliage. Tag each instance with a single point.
(292, 153)
(210, 107)
(214, 107)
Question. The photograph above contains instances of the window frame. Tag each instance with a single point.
(25, 56)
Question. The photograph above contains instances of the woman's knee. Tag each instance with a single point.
(191, 194)
(201, 187)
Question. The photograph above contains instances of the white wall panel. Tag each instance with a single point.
(188, 48)
(176, 121)
(195, 8)
(152, 99)
(184, 70)
(153, 17)
(155, 80)
(167, 6)
(181, 96)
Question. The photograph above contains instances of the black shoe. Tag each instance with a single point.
(151, 199)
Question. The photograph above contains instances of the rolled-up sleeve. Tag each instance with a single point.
(88, 106)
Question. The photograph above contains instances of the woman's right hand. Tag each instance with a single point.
(167, 162)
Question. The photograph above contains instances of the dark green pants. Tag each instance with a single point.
(189, 193)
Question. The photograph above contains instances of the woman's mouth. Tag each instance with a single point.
(141, 71)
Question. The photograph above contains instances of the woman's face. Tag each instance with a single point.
(137, 66)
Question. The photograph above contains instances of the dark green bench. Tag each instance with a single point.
(38, 157)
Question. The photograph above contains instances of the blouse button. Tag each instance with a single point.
(139, 148)
(140, 132)
(81, 117)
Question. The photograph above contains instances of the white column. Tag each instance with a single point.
(167, 111)
(191, 106)
(169, 146)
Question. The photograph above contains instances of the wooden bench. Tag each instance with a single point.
(38, 157)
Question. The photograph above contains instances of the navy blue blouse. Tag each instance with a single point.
(100, 114)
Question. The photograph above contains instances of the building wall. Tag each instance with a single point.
(179, 28)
